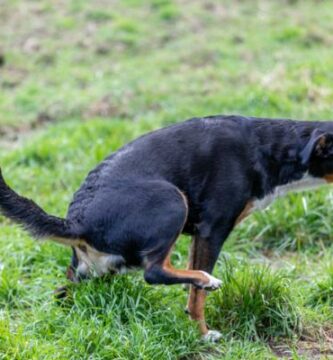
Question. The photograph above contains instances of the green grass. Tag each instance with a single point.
(78, 80)
(254, 302)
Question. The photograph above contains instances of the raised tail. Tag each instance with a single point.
(33, 218)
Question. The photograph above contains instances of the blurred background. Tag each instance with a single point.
(164, 60)
(78, 79)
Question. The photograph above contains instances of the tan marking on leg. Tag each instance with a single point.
(196, 300)
(197, 297)
(196, 275)
(196, 308)
(201, 277)
(328, 178)
(245, 212)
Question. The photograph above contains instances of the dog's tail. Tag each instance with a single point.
(34, 219)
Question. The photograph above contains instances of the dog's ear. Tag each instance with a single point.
(320, 145)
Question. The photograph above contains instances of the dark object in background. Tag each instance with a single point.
(2, 59)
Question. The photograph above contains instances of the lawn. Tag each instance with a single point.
(78, 80)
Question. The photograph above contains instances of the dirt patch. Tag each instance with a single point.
(42, 119)
(307, 349)
(104, 107)
(11, 135)
(108, 107)
(11, 76)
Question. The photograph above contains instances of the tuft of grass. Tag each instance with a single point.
(321, 292)
(11, 288)
(255, 303)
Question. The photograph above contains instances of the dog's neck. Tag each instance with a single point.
(280, 145)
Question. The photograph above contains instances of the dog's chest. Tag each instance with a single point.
(305, 183)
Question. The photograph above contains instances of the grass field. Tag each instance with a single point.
(77, 80)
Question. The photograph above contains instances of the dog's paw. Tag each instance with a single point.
(212, 284)
(212, 336)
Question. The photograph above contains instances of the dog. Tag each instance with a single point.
(200, 177)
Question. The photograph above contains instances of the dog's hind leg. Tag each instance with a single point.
(158, 268)
(165, 273)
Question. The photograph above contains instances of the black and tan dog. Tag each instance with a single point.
(199, 177)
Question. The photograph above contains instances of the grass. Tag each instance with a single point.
(256, 303)
(79, 79)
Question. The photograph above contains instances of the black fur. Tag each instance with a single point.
(132, 203)
(31, 216)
